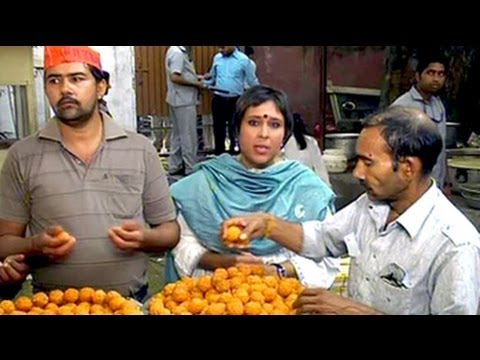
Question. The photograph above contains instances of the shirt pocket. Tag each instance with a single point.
(391, 298)
(125, 196)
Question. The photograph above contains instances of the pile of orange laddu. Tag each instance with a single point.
(241, 290)
(86, 301)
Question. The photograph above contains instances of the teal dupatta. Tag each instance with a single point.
(222, 188)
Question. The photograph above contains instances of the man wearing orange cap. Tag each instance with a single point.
(85, 175)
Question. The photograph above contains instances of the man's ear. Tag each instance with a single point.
(417, 77)
(410, 166)
(101, 89)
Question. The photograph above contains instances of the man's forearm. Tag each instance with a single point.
(180, 80)
(162, 237)
(11, 244)
(212, 261)
(288, 234)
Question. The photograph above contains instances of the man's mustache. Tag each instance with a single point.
(67, 99)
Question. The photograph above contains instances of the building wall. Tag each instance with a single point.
(151, 83)
(16, 63)
(295, 70)
(357, 66)
(119, 61)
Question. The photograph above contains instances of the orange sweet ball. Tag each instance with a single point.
(180, 310)
(40, 299)
(97, 309)
(65, 310)
(235, 307)
(99, 297)
(85, 294)
(268, 308)
(232, 272)
(168, 289)
(253, 308)
(36, 311)
(52, 307)
(216, 309)
(129, 307)
(23, 303)
(221, 285)
(56, 297)
(257, 297)
(156, 308)
(81, 310)
(111, 294)
(180, 294)
(170, 305)
(236, 282)
(71, 295)
(116, 303)
(196, 306)
(280, 309)
(254, 279)
(285, 288)
(245, 269)
(270, 281)
(196, 294)
(203, 284)
(291, 299)
(258, 287)
(18, 312)
(63, 235)
(212, 296)
(71, 306)
(269, 294)
(189, 283)
(220, 274)
(242, 295)
(225, 297)
(233, 234)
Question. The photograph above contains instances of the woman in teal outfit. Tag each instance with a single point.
(258, 179)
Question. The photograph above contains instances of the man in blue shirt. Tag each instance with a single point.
(231, 69)
(430, 79)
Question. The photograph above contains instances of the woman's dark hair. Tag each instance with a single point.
(408, 132)
(249, 51)
(299, 131)
(256, 96)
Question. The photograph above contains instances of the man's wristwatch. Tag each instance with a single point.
(281, 271)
